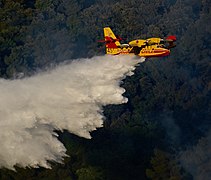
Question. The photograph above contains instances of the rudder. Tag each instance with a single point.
(108, 34)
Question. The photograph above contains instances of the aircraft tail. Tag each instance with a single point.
(112, 42)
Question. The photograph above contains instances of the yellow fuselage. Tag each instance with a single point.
(148, 51)
(144, 48)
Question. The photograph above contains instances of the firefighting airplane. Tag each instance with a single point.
(152, 47)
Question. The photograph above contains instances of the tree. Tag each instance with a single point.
(89, 173)
(163, 167)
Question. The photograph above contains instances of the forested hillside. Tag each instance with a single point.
(164, 128)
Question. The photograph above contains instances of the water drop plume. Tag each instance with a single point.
(69, 97)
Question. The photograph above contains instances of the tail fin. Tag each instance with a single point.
(110, 37)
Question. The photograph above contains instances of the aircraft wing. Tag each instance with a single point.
(138, 43)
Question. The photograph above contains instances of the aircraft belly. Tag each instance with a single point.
(154, 52)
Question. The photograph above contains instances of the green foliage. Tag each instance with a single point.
(163, 167)
(43, 5)
(89, 173)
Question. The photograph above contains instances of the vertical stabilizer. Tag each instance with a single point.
(108, 34)
(112, 43)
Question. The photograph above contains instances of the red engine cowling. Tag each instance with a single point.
(171, 38)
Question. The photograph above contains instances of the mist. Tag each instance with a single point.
(197, 159)
(69, 97)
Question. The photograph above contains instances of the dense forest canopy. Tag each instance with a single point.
(169, 107)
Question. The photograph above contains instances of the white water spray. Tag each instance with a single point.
(69, 97)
